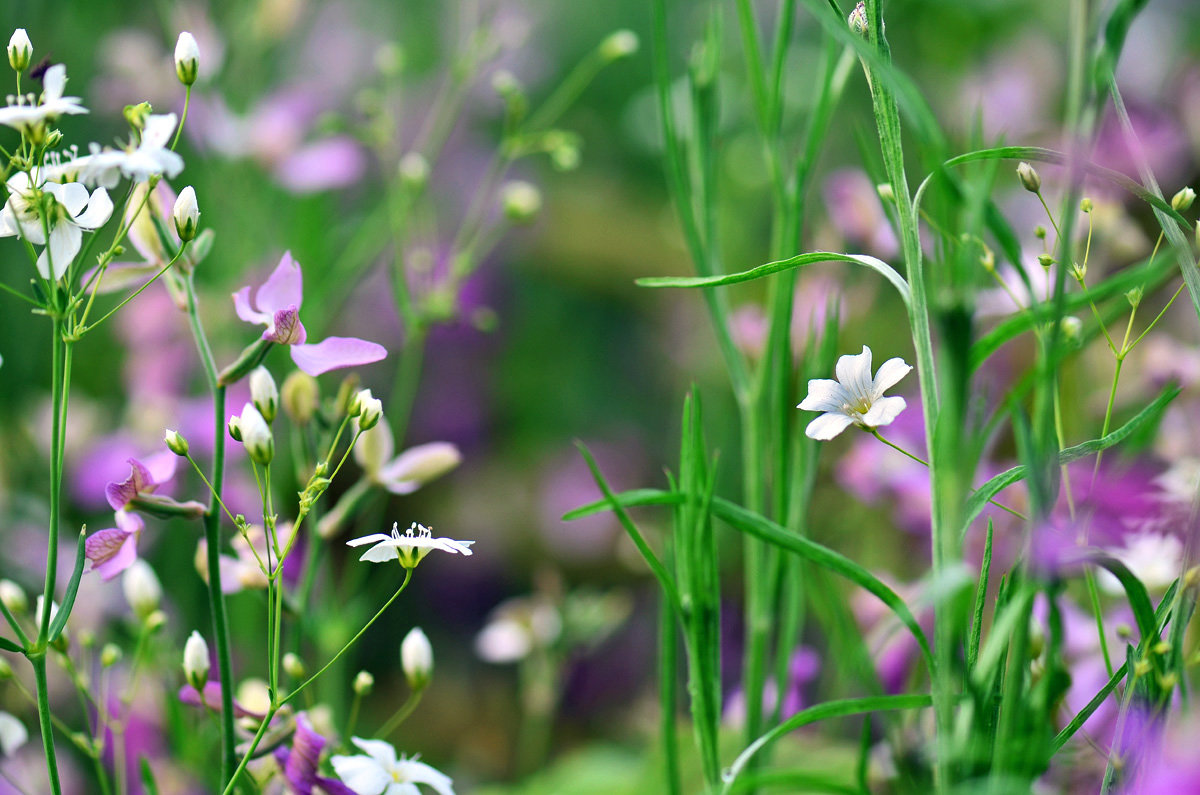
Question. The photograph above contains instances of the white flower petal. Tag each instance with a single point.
(65, 240)
(825, 395)
(381, 552)
(854, 373)
(98, 211)
(421, 773)
(890, 373)
(13, 734)
(827, 426)
(72, 195)
(883, 411)
(374, 538)
(382, 752)
(361, 773)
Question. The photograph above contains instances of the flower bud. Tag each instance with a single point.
(187, 58)
(195, 660)
(416, 658)
(505, 84)
(347, 392)
(235, 428)
(1085, 205)
(186, 214)
(521, 201)
(1029, 177)
(175, 442)
(110, 655)
(156, 621)
(136, 115)
(389, 59)
(1134, 296)
(300, 395)
(413, 170)
(20, 50)
(293, 666)
(142, 589)
(1072, 330)
(256, 435)
(1039, 232)
(884, 189)
(619, 44)
(363, 683)
(13, 596)
(1182, 200)
(367, 408)
(858, 19)
(6, 671)
(264, 393)
(1045, 260)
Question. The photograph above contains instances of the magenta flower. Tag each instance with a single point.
(276, 305)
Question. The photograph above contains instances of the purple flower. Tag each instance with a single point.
(114, 549)
(210, 698)
(299, 764)
(276, 305)
(144, 479)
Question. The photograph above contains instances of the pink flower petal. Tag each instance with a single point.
(284, 287)
(332, 353)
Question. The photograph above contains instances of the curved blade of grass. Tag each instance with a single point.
(68, 602)
(8, 645)
(977, 501)
(773, 533)
(1139, 599)
(1081, 718)
(830, 709)
(800, 260)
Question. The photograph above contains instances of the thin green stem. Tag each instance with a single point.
(44, 719)
(399, 716)
(212, 537)
(407, 576)
(187, 101)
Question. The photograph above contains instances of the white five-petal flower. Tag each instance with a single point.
(379, 772)
(855, 398)
(26, 117)
(70, 212)
(409, 547)
(151, 157)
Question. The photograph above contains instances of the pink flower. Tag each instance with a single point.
(114, 549)
(276, 305)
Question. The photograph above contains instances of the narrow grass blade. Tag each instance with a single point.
(68, 602)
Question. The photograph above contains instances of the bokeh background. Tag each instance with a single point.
(550, 342)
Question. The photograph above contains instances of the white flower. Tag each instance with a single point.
(25, 117)
(195, 660)
(416, 542)
(187, 58)
(407, 472)
(12, 734)
(416, 659)
(1154, 558)
(71, 211)
(151, 157)
(379, 772)
(855, 397)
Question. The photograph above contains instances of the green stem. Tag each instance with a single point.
(212, 537)
(43, 703)
(406, 709)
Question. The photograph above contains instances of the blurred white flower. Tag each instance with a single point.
(150, 158)
(12, 734)
(855, 398)
(26, 117)
(379, 772)
(407, 472)
(1154, 558)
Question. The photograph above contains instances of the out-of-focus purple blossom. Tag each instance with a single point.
(300, 763)
(114, 549)
(813, 300)
(803, 668)
(1002, 301)
(892, 645)
(276, 304)
(1169, 762)
(1159, 136)
(1012, 94)
(210, 698)
(872, 472)
(332, 163)
(854, 208)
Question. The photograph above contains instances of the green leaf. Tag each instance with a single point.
(8, 645)
(830, 709)
(147, 775)
(800, 260)
(68, 602)
(1005, 479)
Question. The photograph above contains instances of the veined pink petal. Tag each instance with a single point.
(285, 327)
(140, 481)
(332, 353)
(283, 288)
(112, 550)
